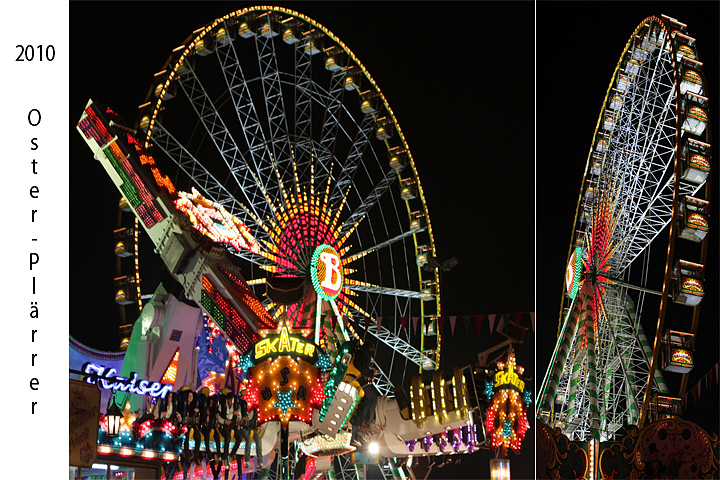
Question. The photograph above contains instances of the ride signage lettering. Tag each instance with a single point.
(509, 377)
(106, 377)
(284, 343)
(681, 356)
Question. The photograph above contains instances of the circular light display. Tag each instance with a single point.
(326, 272)
(572, 273)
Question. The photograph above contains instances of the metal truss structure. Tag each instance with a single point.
(633, 162)
(264, 109)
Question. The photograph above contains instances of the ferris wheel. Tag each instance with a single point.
(267, 114)
(647, 171)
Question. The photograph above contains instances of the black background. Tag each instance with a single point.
(459, 78)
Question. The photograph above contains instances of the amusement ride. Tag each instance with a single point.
(643, 203)
(273, 179)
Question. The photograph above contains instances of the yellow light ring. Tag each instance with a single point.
(190, 49)
(594, 140)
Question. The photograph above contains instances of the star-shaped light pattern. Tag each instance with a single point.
(324, 362)
(127, 419)
(244, 362)
(507, 429)
(285, 402)
(599, 250)
(284, 389)
(488, 389)
(303, 220)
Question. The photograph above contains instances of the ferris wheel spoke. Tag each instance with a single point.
(382, 381)
(224, 142)
(369, 201)
(303, 106)
(333, 108)
(278, 140)
(205, 181)
(395, 292)
(247, 116)
(361, 140)
(386, 243)
(400, 346)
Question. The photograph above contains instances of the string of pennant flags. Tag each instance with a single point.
(513, 319)
(704, 384)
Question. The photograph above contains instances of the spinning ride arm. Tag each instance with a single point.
(188, 231)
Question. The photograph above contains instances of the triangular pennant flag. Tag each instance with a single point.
(414, 323)
(518, 316)
(440, 324)
(379, 322)
(453, 319)
(491, 319)
(478, 322)
(403, 323)
(367, 323)
(466, 321)
(532, 320)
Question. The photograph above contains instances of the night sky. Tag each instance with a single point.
(578, 46)
(496, 105)
(459, 78)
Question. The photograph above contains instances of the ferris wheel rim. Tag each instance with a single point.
(188, 48)
(666, 24)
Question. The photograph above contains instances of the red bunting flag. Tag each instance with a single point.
(491, 319)
(379, 322)
(403, 323)
(517, 322)
(478, 322)
(414, 322)
(453, 319)
(532, 320)
(440, 324)
(367, 323)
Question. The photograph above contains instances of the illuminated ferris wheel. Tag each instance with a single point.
(267, 114)
(646, 172)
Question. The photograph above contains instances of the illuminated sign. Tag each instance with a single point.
(506, 420)
(284, 343)
(682, 356)
(106, 378)
(212, 220)
(572, 273)
(326, 272)
(504, 378)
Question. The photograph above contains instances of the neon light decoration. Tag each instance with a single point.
(125, 162)
(105, 377)
(212, 220)
(692, 286)
(283, 385)
(573, 272)
(171, 372)
(681, 356)
(326, 272)
(284, 344)
(507, 413)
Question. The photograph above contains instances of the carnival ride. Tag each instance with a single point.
(647, 170)
(305, 214)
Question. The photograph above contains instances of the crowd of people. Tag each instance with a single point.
(220, 422)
